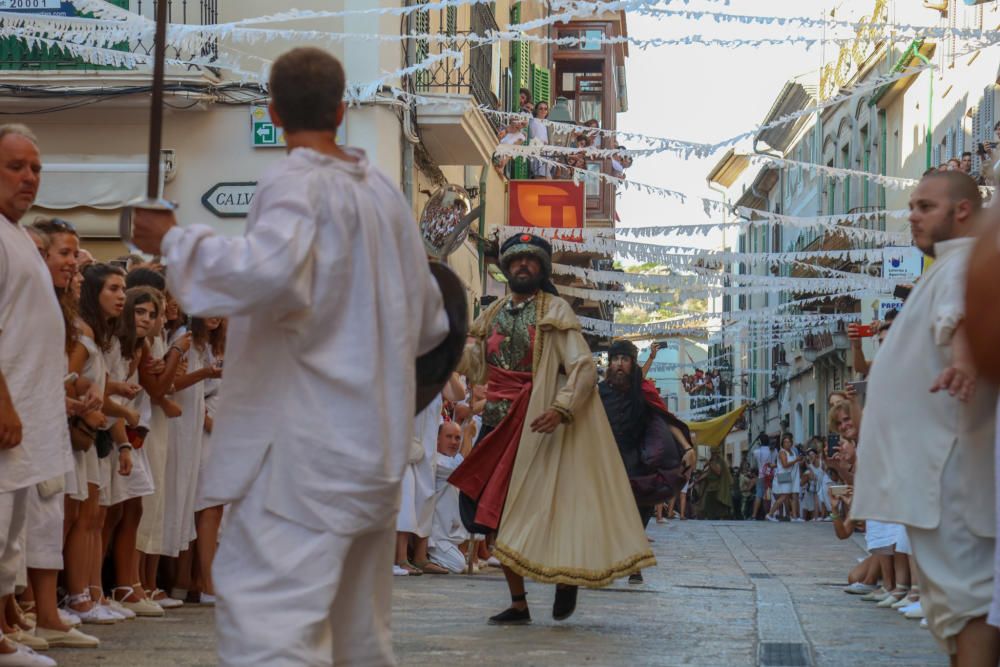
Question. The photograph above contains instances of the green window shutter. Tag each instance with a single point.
(540, 86)
(520, 68)
(422, 25)
(451, 20)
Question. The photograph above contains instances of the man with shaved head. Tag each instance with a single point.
(447, 531)
(925, 453)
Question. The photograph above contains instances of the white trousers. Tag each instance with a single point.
(290, 596)
(45, 530)
(13, 518)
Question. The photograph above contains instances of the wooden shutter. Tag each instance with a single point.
(540, 85)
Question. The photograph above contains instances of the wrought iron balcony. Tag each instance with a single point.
(16, 54)
(474, 76)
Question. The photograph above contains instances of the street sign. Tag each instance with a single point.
(48, 7)
(230, 200)
(264, 133)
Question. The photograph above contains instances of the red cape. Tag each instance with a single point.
(653, 397)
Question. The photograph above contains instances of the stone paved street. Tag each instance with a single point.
(724, 594)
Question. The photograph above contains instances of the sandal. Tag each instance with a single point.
(411, 569)
(513, 616)
(565, 602)
(427, 567)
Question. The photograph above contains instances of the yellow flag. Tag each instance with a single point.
(713, 432)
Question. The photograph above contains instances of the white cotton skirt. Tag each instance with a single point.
(201, 502)
(879, 535)
(85, 471)
(149, 539)
(135, 485)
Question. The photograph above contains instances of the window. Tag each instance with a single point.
(845, 162)
(811, 426)
(590, 39)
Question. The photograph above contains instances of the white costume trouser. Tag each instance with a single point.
(13, 518)
(291, 596)
(45, 530)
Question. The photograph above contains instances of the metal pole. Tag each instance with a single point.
(156, 105)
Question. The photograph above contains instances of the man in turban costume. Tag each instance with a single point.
(546, 474)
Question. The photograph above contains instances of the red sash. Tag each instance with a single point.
(485, 474)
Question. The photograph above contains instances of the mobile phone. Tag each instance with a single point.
(838, 490)
(902, 292)
(832, 442)
(864, 330)
(861, 387)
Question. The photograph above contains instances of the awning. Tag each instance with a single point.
(102, 182)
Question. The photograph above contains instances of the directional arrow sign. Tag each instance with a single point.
(230, 200)
(264, 133)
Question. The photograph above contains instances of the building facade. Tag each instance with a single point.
(430, 127)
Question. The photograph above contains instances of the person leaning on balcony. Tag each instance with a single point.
(926, 457)
(525, 101)
(513, 134)
(538, 132)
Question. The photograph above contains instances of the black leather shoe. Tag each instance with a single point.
(512, 616)
(635, 578)
(565, 602)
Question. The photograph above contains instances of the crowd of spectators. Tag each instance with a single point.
(534, 131)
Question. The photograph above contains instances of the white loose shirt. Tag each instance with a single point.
(908, 433)
(33, 361)
(330, 301)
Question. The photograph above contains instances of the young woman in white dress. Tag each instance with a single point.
(183, 462)
(208, 341)
(102, 299)
(786, 479)
(62, 246)
(142, 308)
(157, 380)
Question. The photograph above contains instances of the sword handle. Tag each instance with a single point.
(126, 217)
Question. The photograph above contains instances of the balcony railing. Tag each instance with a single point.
(474, 76)
(16, 54)
(187, 12)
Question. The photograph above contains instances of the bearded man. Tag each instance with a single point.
(546, 473)
(631, 403)
(925, 455)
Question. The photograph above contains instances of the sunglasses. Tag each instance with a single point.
(63, 224)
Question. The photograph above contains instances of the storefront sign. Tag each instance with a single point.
(541, 203)
(230, 200)
(47, 7)
(905, 262)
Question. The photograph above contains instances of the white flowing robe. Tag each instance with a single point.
(329, 301)
(416, 509)
(33, 362)
(447, 532)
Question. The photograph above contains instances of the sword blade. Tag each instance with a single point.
(156, 104)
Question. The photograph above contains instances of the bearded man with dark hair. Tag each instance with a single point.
(545, 473)
(632, 404)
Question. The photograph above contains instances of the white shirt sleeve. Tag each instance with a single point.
(949, 303)
(212, 275)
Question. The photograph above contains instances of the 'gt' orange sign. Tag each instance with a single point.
(540, 203)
